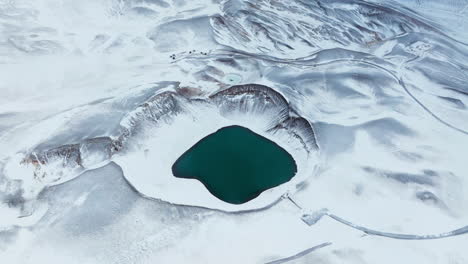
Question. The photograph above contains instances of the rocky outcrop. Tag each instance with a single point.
(248, 99)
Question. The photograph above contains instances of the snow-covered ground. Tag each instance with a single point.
(87, 141)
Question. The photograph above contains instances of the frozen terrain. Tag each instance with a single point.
(98, 98)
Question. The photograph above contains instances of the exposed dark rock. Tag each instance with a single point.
(249, 98)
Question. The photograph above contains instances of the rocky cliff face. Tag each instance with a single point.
(240, 102)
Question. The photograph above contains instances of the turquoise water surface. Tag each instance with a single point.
(236, 164)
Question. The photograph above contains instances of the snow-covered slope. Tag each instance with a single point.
(97, 98)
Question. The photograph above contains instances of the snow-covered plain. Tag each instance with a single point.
(98, 98)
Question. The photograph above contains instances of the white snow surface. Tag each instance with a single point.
(149, 173)
(383, 83)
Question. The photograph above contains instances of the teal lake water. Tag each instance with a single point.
(235, 164)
